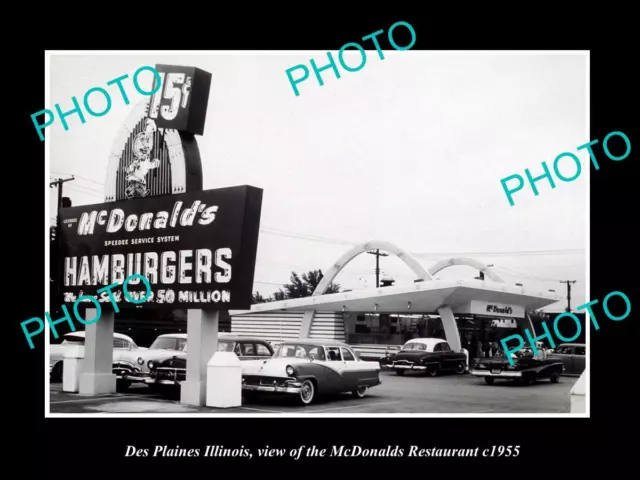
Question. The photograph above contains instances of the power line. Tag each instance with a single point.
(80, 176)
(314, 238)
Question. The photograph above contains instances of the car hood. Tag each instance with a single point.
(132, 356)
(176, 361)
(272, 367)
(150, 354)
(180, 361)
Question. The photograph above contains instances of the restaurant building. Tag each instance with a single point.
(470, 314)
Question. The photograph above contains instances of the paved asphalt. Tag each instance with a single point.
(412, 393)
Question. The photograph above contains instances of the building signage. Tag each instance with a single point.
(492, 309)
(504, 323)
(197, 249)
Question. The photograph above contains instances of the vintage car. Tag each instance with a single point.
(386, 362)
(572, 356)
(527, 368)
(171, 372)
(430, 355)
(134, 366)
(308, 368)
(123, 347)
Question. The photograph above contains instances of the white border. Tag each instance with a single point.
(48, 414)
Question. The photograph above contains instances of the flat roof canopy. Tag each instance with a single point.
(426, 297)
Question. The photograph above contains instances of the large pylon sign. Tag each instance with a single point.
(156, 220)
(156, 152)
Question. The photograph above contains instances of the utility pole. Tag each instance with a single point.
(481, 276)
(58, 183)
(378, 255)
(569, 283)
(55, 297)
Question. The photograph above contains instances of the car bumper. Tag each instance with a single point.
(488, 373)
(138, 378)
(292, 388)
(155, 381)
(409, 367)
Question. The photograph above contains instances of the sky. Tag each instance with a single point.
(410, 149)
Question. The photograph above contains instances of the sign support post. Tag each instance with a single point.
(202, 343)
(97, 377)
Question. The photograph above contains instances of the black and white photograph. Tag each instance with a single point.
(284, 234)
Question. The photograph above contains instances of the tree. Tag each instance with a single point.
(304, 285)
(258, 298)
(299, 286)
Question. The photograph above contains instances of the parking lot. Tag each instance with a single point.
(412, 393)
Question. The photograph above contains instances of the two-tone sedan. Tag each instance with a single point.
(429, 355)
(308, 368)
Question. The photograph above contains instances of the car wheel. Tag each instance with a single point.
(359, 392)
(460, 368)
(56, 373)
(555, 377)
(432, 371)
(122, 385)
(400, 372)
(527, 380)
(489, 380)
(249, 396)
(307, 392)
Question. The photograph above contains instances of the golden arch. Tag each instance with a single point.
(342, 262)
(470, 262)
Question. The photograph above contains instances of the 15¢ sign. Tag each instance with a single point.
(181, 103)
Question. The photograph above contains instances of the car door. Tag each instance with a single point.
(438, 355)
(247, 351)
(565, 355)
(336, 366)
(262, 351)
(579, 359)
(449, 357)
(356, 372)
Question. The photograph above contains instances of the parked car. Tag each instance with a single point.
(386, 362)
(123, 347)
(430, 355)
(135, 366)
(307, 368)
(572, 356)
(171, 372)
(527, 368)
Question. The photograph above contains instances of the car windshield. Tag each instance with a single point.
(169, 343)
(415, 346)
(73, 340)
(300, 351)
